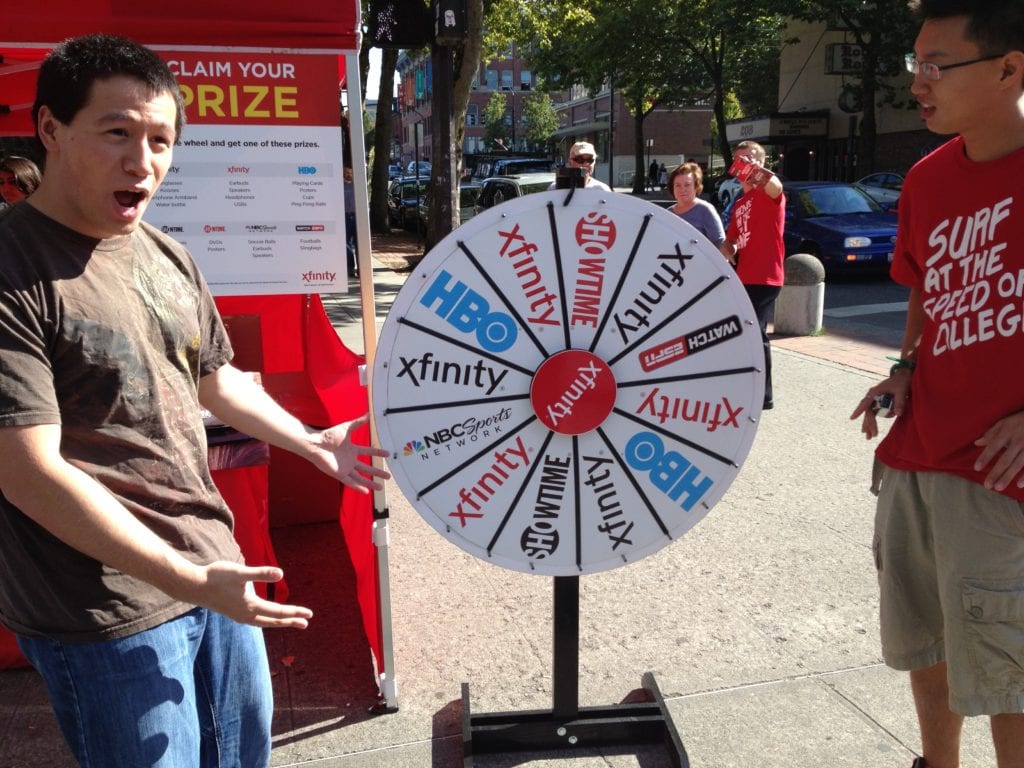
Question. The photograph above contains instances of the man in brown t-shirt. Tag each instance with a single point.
(118, 570)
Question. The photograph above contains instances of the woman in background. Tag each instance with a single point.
(19, 178)
(686, 182)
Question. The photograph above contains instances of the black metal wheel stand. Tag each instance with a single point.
(567, 726)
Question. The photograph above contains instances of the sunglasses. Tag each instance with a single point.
(583, 159)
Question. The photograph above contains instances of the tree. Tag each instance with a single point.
(735, 45)
(882, 31)
(497, 132)
(540, 120)
(382, 144)
(673, 53)
(584, 43)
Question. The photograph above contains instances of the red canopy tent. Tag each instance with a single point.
(314, 26)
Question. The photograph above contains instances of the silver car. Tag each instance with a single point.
(883, 188)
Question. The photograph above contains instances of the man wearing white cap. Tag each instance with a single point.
(583, 155)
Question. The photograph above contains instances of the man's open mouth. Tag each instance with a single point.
(129, 198)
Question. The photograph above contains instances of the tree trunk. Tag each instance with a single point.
(382, 144)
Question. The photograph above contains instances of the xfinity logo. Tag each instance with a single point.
(318, 277)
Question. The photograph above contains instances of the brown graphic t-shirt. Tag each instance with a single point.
(108, 339)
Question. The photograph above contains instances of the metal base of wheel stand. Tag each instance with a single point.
(567, 726)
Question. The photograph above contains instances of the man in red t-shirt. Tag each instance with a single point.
(755, 239)
(949, 527)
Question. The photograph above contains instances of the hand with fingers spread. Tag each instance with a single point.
(335, 454)
(225, 589)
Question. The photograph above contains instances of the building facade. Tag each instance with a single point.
(816, 132)
(671, 136)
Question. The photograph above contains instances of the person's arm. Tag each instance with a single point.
(728, 249)
(898, 383)
(84, 515)
(236, 399)
(773, 187)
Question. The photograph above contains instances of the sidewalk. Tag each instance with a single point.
(760, 623)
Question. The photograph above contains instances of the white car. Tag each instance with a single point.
(728, 191)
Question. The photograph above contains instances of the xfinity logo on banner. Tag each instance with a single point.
(318, 277)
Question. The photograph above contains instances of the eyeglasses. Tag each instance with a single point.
(934, 71)
(583, 159)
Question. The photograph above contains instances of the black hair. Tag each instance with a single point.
(996, 26)
(67, 74)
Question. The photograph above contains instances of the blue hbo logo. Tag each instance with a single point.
(468, 312)
(670, 472)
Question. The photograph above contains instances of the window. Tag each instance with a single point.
(525, 80)
(506, 80)
(492, 79)
(472, 115)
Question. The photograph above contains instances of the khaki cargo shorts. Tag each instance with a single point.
(950, 560)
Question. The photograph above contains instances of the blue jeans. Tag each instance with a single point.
(192, 692)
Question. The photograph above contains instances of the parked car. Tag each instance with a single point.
(424, 168)
(838, 223)
(498, 189)
(404, 194)
(728, 190)
(883, 188)
(468, 193)
(515, 166)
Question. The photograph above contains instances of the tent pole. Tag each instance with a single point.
(381, 537)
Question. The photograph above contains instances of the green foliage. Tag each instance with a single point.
(884, 31)
(658, 52)
(540, 119)
(497, 133)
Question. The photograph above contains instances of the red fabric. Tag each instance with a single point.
(356, 517)
(325, 25)
(756, 227)
(10, 654)
(18, 73)
(245, 491)
(306, 368)
(317, 25)
(963, 252)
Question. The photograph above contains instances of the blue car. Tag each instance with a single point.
(839, 224)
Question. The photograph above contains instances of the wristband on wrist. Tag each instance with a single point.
(900, 363)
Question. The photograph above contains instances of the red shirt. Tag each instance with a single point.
(756, 228)
(961, 243)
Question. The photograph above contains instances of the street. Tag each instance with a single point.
(866, 308)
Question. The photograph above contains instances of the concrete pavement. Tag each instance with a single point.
(760, 623)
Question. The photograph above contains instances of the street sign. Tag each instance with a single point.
(566, 387)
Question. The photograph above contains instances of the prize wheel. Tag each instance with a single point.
(567, 383)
